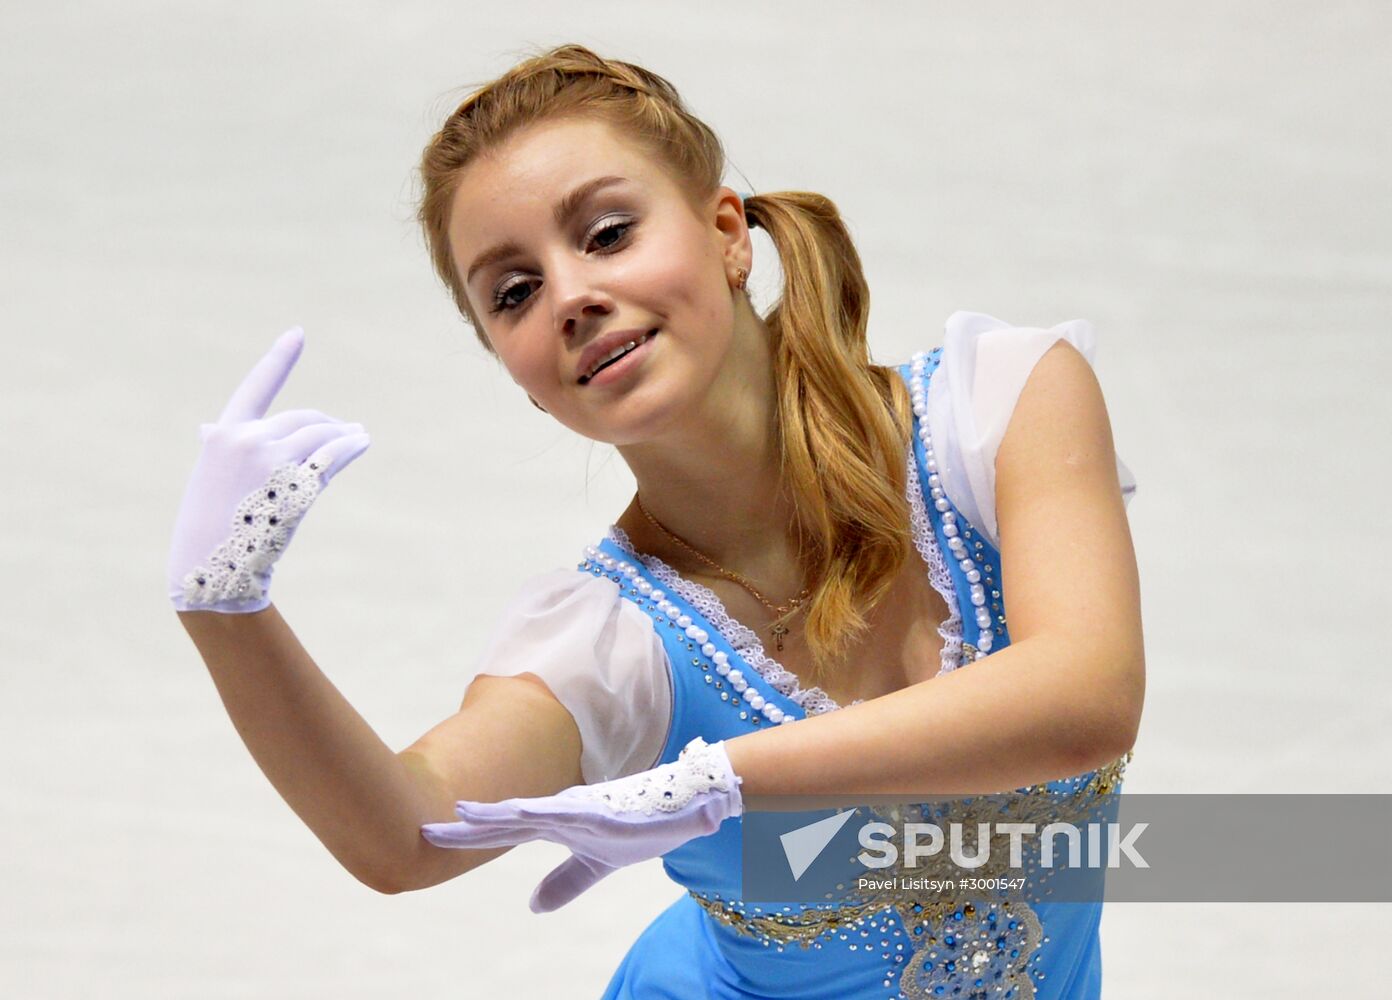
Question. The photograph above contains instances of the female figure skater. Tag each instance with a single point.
(810, 531)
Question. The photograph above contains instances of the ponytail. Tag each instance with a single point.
(844, 424)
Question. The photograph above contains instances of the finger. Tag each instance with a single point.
(333, 457)
(578, 831)
(568, 880)
(484, 812)
(541, 811)
(253, 397)
(471, 835)
(311, 439)
(286, 423)
(556, 809)
(480, 821)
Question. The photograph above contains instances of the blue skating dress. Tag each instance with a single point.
(710, 945)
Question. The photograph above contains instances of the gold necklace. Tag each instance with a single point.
(780, 611)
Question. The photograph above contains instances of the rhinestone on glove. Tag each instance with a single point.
(265, 519)
(700, 767)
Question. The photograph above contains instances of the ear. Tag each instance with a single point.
(732, 229)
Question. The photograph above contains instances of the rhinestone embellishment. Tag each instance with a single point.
(238, 569)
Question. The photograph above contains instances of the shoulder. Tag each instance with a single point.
(574, 636)
(979, 349)
(569, 689)
(984, 365)
(561, 591)
(1059, 426)
(988, 366)
(555, 614)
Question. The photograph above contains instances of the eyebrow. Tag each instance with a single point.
(561, 212)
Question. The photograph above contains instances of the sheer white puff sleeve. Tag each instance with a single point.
(600, 656)
(985, 363)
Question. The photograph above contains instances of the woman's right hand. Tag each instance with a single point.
(253, 481)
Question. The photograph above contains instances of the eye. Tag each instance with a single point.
(501, 300)
(611, 233)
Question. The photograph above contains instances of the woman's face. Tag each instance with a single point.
(570, 236)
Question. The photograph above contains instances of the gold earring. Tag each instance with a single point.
(741, 276)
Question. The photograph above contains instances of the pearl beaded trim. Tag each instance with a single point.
(700, 767)
(744, 640)
(239, 568)
(918, 391)
(627, 575)
(939, 574)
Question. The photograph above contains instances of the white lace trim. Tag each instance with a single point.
(238, 569)
(700, 767)
(813, 701)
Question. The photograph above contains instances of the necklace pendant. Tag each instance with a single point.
(779, 630)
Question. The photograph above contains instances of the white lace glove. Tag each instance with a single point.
(253, 481)
(607, 825)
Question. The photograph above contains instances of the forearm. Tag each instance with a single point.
(363, 802)
(1023, 715)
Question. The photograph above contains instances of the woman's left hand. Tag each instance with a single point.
(606, 825)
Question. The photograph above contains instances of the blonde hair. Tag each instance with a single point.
(843, 423)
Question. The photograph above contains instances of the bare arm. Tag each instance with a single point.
(1065, 696)
(364, 802)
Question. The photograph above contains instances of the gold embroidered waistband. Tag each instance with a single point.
(1072, 800)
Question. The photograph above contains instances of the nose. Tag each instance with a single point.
(578, 298)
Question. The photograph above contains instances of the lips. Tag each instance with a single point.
(609, 349)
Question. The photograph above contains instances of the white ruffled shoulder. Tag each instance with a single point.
(600, 656)
(984, 366)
